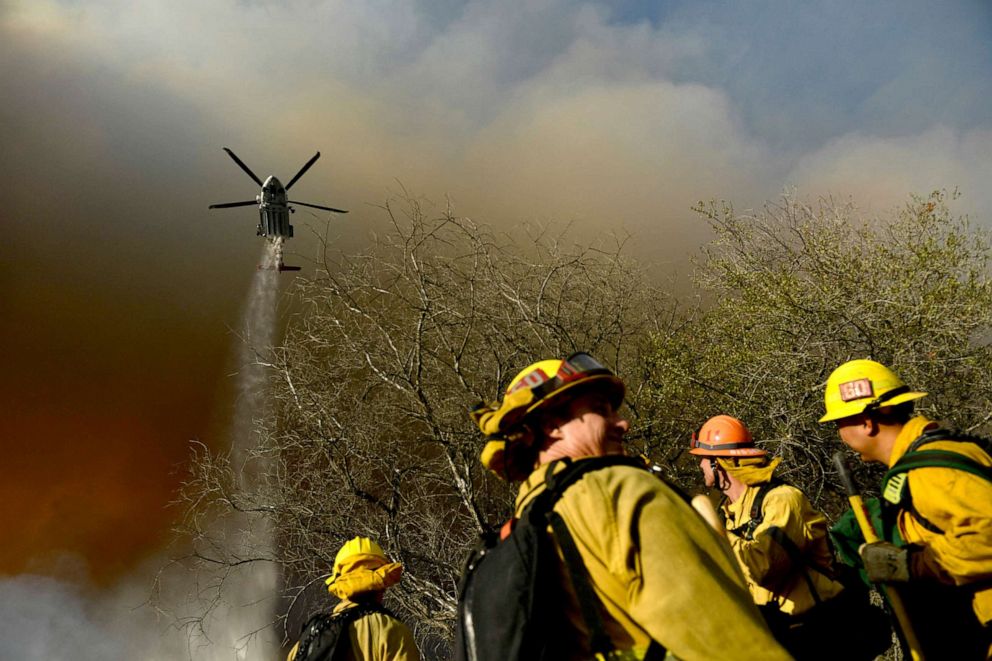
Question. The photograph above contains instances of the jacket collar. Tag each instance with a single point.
(911, 431)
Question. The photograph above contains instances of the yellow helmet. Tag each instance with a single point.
(359, 546)
(863, 385)
(362, 566)
(531, 389)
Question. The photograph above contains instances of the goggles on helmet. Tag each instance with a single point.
(577, 366)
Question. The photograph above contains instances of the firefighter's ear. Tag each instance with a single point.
(870, 425)
(520, 457)
(550, 431)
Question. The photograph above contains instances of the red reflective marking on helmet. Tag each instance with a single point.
(530, 380)
(568, 372)
(856, 390)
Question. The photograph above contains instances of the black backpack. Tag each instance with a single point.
(321, 637)
(509, 598)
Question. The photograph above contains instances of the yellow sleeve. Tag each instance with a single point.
(960, 504)
(672, 566)
(764, 558)
(292, 653)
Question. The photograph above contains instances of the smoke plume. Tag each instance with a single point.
(51, 619)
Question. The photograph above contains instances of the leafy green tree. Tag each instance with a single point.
(794, 290)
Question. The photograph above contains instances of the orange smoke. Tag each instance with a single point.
(98, 412)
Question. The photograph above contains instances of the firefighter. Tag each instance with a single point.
(781, 544)
(662, 577)
(936, 508)
(359, 628)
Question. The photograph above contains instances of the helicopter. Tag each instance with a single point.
(273, 207)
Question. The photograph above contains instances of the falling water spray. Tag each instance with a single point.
(252, 597)
(241, 604)
(245, 603)
(239, 622)
(258, 326)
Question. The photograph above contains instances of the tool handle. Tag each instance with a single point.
(846, 479)
(857, 505)
(902, 619)
(868, 531)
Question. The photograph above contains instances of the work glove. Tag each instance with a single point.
(885, 562)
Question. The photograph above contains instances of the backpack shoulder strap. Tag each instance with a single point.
(557, 482)
(321, 638)
(895, 485)
(945, 434)
(351, 615)
(311, 634)
(600, 643)
(757, 514)
(364, 609)
(758, 506)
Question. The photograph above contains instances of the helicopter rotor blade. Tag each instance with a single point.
(243, 166)
(303, 170)
(228, 205)
(316, 206)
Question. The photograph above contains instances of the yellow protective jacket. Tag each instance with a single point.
(773, 576)
(958, 503)
(659, 570)
(375, 637)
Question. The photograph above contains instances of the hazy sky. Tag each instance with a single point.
(120, 291)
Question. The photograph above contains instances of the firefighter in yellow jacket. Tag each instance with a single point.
(781, 544)
(937, 504)
(359, 628)
(661, 575)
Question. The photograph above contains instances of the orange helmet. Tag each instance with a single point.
(724, 436)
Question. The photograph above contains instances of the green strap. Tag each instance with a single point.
(896, 489)
(941, 434)
(938, 459)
